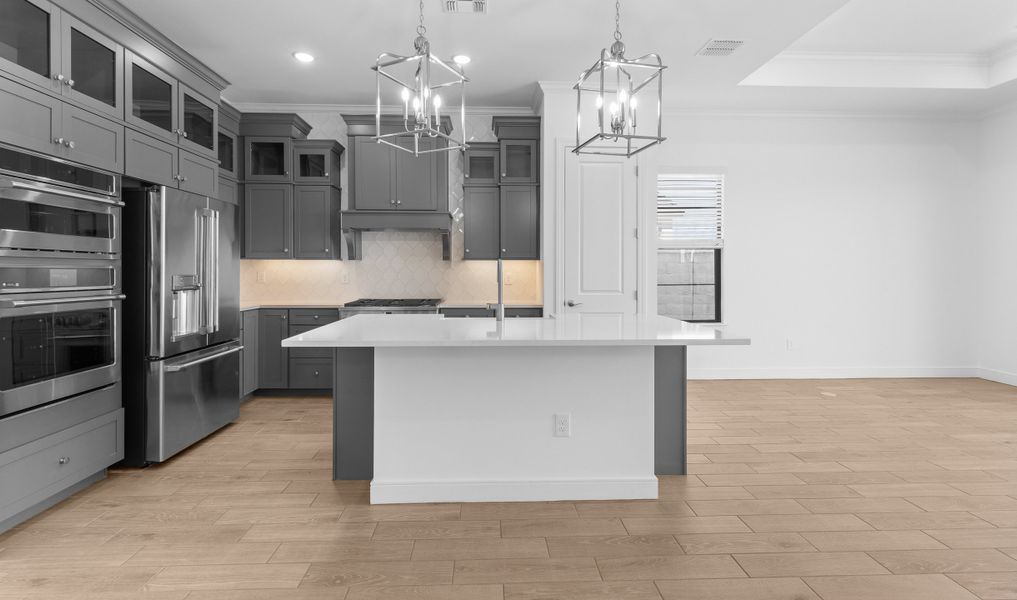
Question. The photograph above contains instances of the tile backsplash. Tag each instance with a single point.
(396, 264)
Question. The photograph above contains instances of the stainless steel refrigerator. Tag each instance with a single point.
(181, 320)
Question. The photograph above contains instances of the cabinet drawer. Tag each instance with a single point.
(31, 425)
(28, 118)
(313, 316)
(93, 140)
(199, 175)
(37, 470)
(150, 159)
(476, 313)
(524, 313)
(307, 373)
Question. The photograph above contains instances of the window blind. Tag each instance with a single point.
(690, 211)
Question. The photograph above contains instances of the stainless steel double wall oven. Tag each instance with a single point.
(60, 280)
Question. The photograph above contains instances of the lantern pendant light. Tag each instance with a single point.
(615, 96)
(425, 87)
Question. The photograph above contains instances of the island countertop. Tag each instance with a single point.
(567, 330)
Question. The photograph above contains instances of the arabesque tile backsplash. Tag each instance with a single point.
(396, 264)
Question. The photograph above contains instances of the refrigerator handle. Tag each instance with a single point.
(201, 224)
(213, 268)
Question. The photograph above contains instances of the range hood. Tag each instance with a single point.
(354, 222)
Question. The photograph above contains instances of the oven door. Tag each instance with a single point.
(52, 348)
(39, 217)
(37, 275)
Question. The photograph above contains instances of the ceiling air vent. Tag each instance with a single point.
(719, 47)
(465, 6)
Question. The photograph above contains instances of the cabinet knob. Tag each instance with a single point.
(183, 133)
(183, 178)
(466, 175)
(504, 250)
(315, 373)
(315, 317)
(467, 250)
(286, 249)
(58, 140)
(326, 174)
(326, 252)
(284, 317)
(58, 77)
(69, 144)
(504, 174)
(69, 82)
(64, 460)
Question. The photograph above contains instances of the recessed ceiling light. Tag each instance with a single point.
(303, 57)
(461, 59)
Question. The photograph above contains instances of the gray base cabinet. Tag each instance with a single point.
(273, 359)
(249, 356)
(481, 313)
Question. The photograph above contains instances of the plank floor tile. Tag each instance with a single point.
(828, 484)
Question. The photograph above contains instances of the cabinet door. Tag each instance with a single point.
(273, 359)
(199, 174)
(229, 191)
(199, 122)
(520, 222)
(312, 219)
(30, 41)
(250, 360)
(416, 178)
(374, 170)
(29, 119)
(481, 167)
(315, 165)
(151, 98)
(92, 65)
(93, 140)
(518, 161)
(227, 151)
(150, 159)
(268, 159)
(480, 223)
(268, 220)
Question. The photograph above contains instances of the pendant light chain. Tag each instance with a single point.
(617, 20)
(421, 30)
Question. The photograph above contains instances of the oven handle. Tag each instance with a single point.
(10, 183)
(203, 359)
(19, 303)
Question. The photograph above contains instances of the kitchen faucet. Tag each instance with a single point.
(499, 308)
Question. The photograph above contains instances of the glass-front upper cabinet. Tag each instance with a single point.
(91, 66)
(518, 161)
(227, 154)
(316, 161)
(151, 98)
(29, 32)
(268, 159)
(199, 121)
(481, 166)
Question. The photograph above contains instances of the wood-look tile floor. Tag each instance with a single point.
(832, 490)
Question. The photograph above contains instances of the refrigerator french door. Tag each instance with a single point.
(182, 332)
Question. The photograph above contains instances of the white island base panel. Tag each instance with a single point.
(459, 424)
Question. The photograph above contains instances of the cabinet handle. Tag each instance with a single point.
(69, 82)
(69, 144)
(58, 77)
(183, 178)
(64, 460)
(58, 141)
(284, 317)
(183, 133)
(399, 202)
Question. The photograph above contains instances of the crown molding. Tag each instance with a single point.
(885, 58)
(821, 114)
(269, 107)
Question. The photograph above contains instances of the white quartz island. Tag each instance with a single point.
(434, 410)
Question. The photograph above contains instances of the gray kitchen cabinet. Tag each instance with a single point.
(91, 139)
(227, 151)
(481, 216)
(268, 220)
(316, 221)
(313, 316)
(157, 161)
(91, 67)
(416, 177)
(317, 162)
(229, 190)
(273, 359)
(150, 99)
(249, 361)
(478, 312)
(199, 122)
(373, 175)
(518, 161)
(30, 119)
(30, 40)
(268, 158)
(306, 353)
(520, 222)
(481, 165)
(310, 373)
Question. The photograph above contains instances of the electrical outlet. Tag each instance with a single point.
(563, 425)
(261, 277)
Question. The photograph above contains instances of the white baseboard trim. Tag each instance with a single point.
(836, 373)
(998, 376)
(399, 492)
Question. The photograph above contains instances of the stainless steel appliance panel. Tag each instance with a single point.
(37, 275)
(54, 347)
(38, 217)
(189, 397)
(225, 309)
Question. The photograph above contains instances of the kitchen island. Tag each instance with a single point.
(583, 406)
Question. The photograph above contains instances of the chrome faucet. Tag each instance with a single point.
(499, 308)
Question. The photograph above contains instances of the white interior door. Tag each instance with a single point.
(599, 233)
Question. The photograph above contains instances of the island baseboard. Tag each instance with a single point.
(400, 492)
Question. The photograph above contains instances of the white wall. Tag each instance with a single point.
(997, 248)
(848, 235)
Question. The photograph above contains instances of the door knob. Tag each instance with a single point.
(571, 303)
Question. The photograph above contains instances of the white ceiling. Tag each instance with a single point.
(797, 53)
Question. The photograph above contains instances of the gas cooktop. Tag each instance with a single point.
(393, 302)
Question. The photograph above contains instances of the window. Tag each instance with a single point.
(690, 241)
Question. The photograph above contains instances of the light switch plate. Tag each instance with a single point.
(563, 425)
